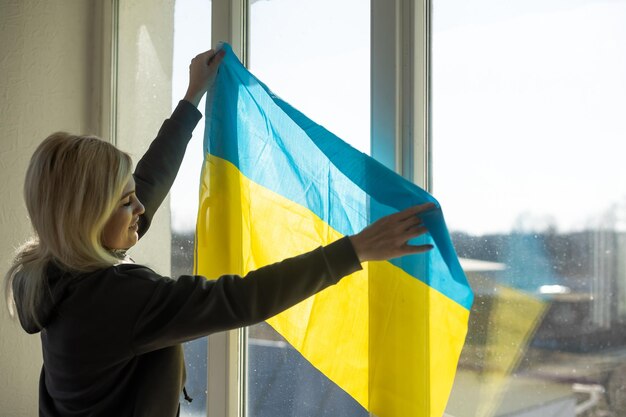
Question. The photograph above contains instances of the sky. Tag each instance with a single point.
(528, 99)
(528, 113)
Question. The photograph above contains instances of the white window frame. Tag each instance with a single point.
(104, 93)
(401, 87)
(400, 139)
(227, 351)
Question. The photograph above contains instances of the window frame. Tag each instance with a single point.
(108, 84)
(227, 351)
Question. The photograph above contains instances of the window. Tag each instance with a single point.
(527, 125)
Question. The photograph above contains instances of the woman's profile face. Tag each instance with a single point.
(120, 231)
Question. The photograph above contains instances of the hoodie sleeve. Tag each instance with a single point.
(157, 169)
(192, 306)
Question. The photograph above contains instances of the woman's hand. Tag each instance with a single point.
(202, 72)
(387, 237)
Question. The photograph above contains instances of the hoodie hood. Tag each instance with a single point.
(55, 287)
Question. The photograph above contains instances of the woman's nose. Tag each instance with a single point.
(139, 208)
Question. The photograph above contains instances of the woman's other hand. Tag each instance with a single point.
(202, 72)
(388, 237)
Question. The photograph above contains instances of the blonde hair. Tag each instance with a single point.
(73, 184)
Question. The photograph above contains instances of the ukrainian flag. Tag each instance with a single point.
(274, 185)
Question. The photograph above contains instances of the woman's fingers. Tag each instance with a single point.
(414, 249)
(202, 72)
(215, 59)
(414, 232)
(410, 223)
(413, 211)
(410, 217)
(207, 56)
(388, 237)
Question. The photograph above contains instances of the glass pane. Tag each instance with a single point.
(316, 56)
(528, 126)
(192, 35)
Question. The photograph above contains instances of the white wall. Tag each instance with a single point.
(44, 62)
(51, 78)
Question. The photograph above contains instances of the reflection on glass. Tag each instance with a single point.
(314, 55)
(528, 98)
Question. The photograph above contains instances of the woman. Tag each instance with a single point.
(112, 330)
